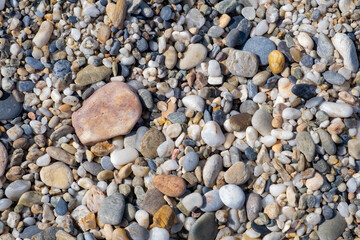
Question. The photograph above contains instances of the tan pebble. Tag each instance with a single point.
(119, 234)
(94, 199)
(277, 147)
(277, 122)
(117, 12)
(102, 148)
(295, 54)
(103, 33)
(88, 222)
(57, 175)
(276, 61)
(346, 97)
(105, 175)
(272, 210)
(164, 218)
(315, 182)
(125, 171)
(237, 174)
(62, 235)
(224, 20)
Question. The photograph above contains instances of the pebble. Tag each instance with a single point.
(354, 148)
(159, 234)
(61, 207)
(314, 183)
(150, 142)
(137, 232)
(306, 145)
(304, 91)
(232, 196)
(346, 47)
(212, 134)
(211, 201)
(194, 19)
(332, 109)
(194, 102)
(112, 209)
(276, 61)
(242, 63)
(191, 202)
(15, 189)
(92, 74)
(334, 78)
(240, 122)
(9, 107)
(325, 47)
(111, 101)
(3, 159)
(116, 12)
(333, 228)
(62, 68)
(326, 142)
(237, 174)
(190, 161)
(193, 56)
(211, 169)
(43, 35)
(261, 121)
(57, 175)
(204, 227)
(171, 186)
(261, 47)
(253, 206)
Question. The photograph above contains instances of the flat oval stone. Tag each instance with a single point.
(172, 186)
(341, 110)
(57, 175)
(232, 196)
(193, 56)
(91, 74)
(261, 121)
(334, 78)
(111, 111)
(211, 169)
(237, 174)
(304, 91)
(306, 145)
(347, 49)
(212, 201)
(190, 161)
(9, 107)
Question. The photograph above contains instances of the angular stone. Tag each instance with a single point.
(153, 201)
(164, 218)
(111, 111)
(239, 122)
(204, 227)
(172, 186)
(91, 74)
(117, 12)
(57, 175)
(242, 63)
(326, 142)
(43, 35)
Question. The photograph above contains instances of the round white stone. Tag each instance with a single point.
(212, 134)
(121, 157)
(232, 196)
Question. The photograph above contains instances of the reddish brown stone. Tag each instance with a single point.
(111, 111)
(170, 185)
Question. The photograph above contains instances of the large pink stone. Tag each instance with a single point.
(111, 111)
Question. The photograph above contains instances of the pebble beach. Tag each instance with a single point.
(179, 119)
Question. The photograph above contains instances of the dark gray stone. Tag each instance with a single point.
(334, 78)
(261, 47)
(9, 107)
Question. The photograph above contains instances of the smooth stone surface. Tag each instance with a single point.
(112, 209)
(314, 183)
(354, 148)
(211, 169)
(29, 231)
(57, 175)
(3, 159)
(212, 134)
(15, 189)
(204, 227)
(117, 12)
(261, 121)
(326, 142)
(153, 201)
(121, 157)
(237, 174)
(193, 56)
(232, 196)
(91, 74)
(346, 47)
(304, 91)
(341, 110)
(261, 47)
(325, 48)
(242, 63)
(306, 145)
(211, 201)
(194, 102)
(170, 57)
(194, 19)
(239, 122)
(9, 107)
(111, 111)
(136, 232)
(43, 35)
(253, 206)
(170, 185)
(334, 78)
(192, 201)
(150, 142)
(276, 61)
(333, 228)
(190, 161)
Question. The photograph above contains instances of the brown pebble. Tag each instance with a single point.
(170, 185)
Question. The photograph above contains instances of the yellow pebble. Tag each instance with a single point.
(276, 61)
